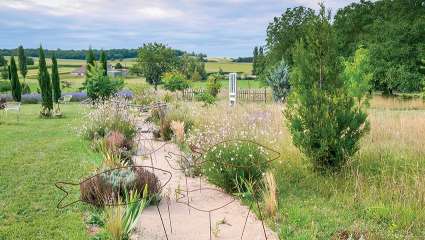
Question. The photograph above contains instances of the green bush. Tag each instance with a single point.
(99, 86)
(5, 86)
(229, 163)
(206, 98)
(213, 85)
(174, 81)
(25, 88)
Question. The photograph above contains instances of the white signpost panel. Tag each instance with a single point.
(232, 88)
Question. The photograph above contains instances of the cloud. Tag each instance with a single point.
(215, 27)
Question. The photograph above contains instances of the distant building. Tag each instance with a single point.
(112, 72)
(79, 72)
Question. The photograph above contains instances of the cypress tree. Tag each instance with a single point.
(22, 62)
(254, 61)
(14, 81)
(90, 61)
(45, 84)
(104, 62)
(55, 80)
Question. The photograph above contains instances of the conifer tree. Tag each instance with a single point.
(324, 118)
(254, 61)
(22, 62)
(55, 80)
(90, 60)
(104, 62)
(14, 81)
(45, 85)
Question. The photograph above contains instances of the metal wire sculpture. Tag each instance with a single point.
(198, 159)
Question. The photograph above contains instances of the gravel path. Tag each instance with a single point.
(184, 223)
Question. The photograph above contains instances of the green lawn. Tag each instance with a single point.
(245, 68)
(35, 153)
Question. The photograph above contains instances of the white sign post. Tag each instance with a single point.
(232, 88)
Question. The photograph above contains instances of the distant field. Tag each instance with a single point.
(66, 66)
(245, 68)
(243, 84)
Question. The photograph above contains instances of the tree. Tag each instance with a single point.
(45, 85)
(99, 86)
(174, 81)
(103, 62)
(213, 85)
(3, 61)
(323, 117)
(285, 31)
(358, 74)
(90, 59)
(155, 59)
(278, 79)
(254, 61)
(190, 66)
(260, 62)
(393, 32)
(55, 80)
(14, 81)
(22, 62)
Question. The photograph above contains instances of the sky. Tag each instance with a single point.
(226, 28)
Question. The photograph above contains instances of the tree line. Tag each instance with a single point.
(113, 54)
(392, 32)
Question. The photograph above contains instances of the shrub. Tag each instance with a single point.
(278, 79)
(107, 117)
(174, 81)
(228, 163)
(99, 86)
(213, 85)
(178, 130)
(5, 86)
(144, 94)
(206, 98)
(108, 187)
(25, 88)
(323, 116)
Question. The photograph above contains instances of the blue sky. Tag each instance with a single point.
(215, 27)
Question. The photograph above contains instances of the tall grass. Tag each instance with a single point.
(380, 192)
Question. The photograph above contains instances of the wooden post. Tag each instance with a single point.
(265, 95)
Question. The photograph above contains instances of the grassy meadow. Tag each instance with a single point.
(36, 153)
(379, 194)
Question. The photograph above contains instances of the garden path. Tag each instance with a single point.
(188, 223)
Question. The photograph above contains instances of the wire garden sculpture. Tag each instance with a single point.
(198, 159)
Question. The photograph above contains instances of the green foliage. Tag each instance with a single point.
(55, 80)
(118, 65)
(103, 62)
(213, 85)
(357, 74)
(22, 61)
(259, 61)
(134, 209)
(285, 31)
(393, 31)
(154, 60)
(30, 61)
(322, 115)
(278, 79)
(192, 67)
(25, 88)
(101, 87)
(174, 81)
(14, 81)
(45, 85)
(229, 163)
(3, 61)
(4, 72)
(90, 61)
(206, 98)
(5, 86)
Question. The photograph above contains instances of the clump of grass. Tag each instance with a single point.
(178, 129)
(270, 195)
